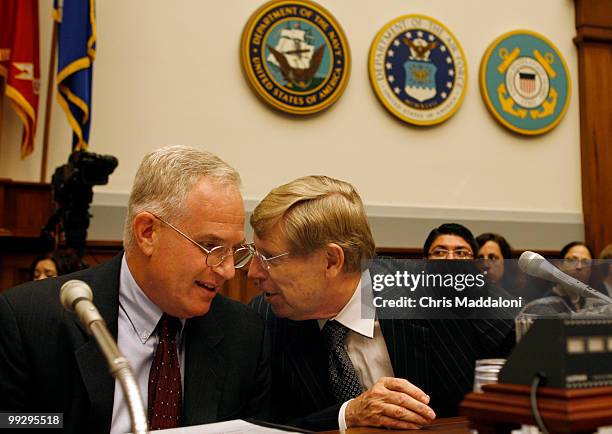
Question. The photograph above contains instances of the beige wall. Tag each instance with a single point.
(171, 75)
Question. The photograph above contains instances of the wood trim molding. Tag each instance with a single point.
(594, 42)
(593, 34)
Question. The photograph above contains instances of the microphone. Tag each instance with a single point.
(535, 265)
(76, 296)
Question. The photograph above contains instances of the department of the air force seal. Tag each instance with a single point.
(295, 56)
(418, 70)
(524, 82)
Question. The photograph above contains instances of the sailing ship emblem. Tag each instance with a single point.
(295, 56)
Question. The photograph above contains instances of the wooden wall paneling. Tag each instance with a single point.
(3, 211)
(97, 252)
(14, 269)
(26, 207)
(594, 42)
(16, 256)
(596, 142)
(594, 13)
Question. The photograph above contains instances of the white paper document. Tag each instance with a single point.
(237, 426)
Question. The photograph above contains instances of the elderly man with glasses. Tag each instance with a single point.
(197, 356)
(333, 368)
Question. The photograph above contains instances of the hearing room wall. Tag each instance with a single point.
(169, 73)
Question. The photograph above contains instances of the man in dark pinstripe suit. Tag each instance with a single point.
(311, 239)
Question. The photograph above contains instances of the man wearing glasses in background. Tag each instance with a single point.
(450, 241)
(197, 356)
(331, 367)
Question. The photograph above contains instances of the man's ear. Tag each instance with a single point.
(143, 228)
(335, 259)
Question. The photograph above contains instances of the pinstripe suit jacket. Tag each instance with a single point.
(48, 363)
(436, 355)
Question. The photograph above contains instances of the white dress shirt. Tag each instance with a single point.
(138, 317)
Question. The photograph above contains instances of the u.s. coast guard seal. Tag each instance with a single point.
(524, 82)
(295, 56)
(418, 70)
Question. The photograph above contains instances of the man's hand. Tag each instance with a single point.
(391, 403)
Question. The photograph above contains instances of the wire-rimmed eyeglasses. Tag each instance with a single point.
(216, 255)
(267, 262)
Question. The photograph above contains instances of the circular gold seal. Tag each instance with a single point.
(525, 83)
(295, 56)
(418, 70)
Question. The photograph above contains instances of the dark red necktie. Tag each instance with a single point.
(165, 377)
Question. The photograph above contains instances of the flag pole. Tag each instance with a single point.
(48, 107)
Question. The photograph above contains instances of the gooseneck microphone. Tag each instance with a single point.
(535, 265)
(76, 296)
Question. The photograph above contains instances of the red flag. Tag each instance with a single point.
(20, 63)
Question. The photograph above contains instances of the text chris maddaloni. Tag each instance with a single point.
(448, 302)
(461, 283)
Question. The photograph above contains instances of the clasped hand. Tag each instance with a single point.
(392, 403)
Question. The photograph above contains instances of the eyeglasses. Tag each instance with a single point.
(265, 261)
(216, 255)
(583, 262)
(439, 253)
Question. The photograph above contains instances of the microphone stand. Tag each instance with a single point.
(120, 369)
(72, 294)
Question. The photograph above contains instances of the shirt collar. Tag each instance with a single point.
(351, 315)
(142, 313)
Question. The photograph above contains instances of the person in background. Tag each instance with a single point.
(56, 263)
(450, 241)
(44, 266)
(453, 241)
(494, 249)
(601, 275)
(605, 271)
(496, 254)
(576, 260)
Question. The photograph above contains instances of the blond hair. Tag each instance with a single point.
(314, 211)
(164, 179)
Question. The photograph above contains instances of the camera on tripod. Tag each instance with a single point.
(72, 185)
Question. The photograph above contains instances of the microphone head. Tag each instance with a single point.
(73, 291)
(531, 263)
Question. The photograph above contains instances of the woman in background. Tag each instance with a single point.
(55, 264)
(495, 252)
(493, 248)
(576, 261)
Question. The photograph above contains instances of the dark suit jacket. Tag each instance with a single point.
(436, 355)
(48, 363)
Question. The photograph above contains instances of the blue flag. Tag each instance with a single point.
(76, 53)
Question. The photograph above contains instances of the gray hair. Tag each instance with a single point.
(164, 179)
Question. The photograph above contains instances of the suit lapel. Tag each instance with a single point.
(204, 369)
(306, 358)
(408, 344)
(99, 383)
